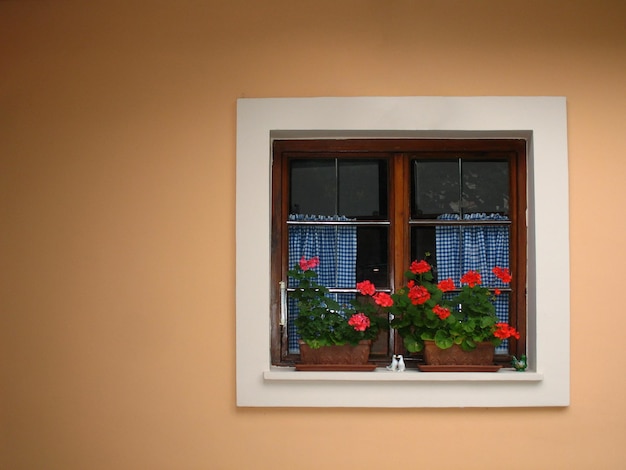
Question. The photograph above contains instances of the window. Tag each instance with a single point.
(540, 121)
(367, 207)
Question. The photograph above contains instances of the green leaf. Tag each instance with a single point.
(411, 344)
(442, 340)
(468, 344)
(427, 336)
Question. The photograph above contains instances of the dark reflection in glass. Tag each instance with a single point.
(313, 187)
(485, 187)
(353, 188)
(363, 188)
(373, 255)
(435, 188)
(423, 244)
(459, 187)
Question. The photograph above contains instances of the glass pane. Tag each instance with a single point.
(435, 188)
(484, 247)
(485, 187)
(502, 312)
(293, 312)
(313, 188)
(373, 255)
(334, 245)
(380, 346)
(454, 250)
(424, 246)
(363, 188)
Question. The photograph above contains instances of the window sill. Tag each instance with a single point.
(383, 375)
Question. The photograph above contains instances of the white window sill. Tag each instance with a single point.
(383, 375)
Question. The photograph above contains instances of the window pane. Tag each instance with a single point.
(373, 255)
(435, 188)
(353, 188)
(483, 248)
(334, 245)
(363, 188)
(485, 187)
(454, 250)
(313, 188)
(423, 244)
(293, 312)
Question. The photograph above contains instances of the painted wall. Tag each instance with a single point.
(117, 184)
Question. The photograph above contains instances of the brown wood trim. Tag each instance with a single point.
(399, 234)
(399, 214)
(397, 145)
(276, 274)
(519, 310)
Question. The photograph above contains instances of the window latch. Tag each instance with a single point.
(283, 303)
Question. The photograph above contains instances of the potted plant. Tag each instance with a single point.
(330, 332)
(452, 324)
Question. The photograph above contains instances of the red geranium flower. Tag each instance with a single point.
(502, 273)
(366, 288)
(471, 278)
(418, 295)
(420, 267)
(306, 264)
(446, 285)
(383, 299)
(359, 322)
(441, 312)
(504, 331)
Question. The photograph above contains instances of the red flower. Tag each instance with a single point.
(441, 312)
(497, 292)
(471, 278)
(504, 331)
(420, 267)
(418, 295)
(446, 285)
(383, 299)
(366, 288)
(306, 264)
(502, 273)
(359, 322)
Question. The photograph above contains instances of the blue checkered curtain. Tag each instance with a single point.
(484, 247)
(480, 248)
(336, 247)
(448, 245)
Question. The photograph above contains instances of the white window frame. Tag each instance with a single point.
(540, 120)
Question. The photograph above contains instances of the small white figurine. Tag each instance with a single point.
(401, 366)
(394, 364)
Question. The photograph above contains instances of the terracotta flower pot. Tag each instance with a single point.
(345, 354)
(482, 355)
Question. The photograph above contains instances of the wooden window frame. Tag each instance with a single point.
(399, 153)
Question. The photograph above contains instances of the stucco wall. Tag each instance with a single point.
(117, 209)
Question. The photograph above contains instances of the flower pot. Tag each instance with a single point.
(344, 354)
(455, 356)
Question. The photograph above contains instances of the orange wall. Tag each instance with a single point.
(117, 193)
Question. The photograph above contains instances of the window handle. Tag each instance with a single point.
(283, 303)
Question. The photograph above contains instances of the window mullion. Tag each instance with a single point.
(400, 211)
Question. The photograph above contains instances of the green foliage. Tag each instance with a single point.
(421, 310)
(322, 321)
(470, 311)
